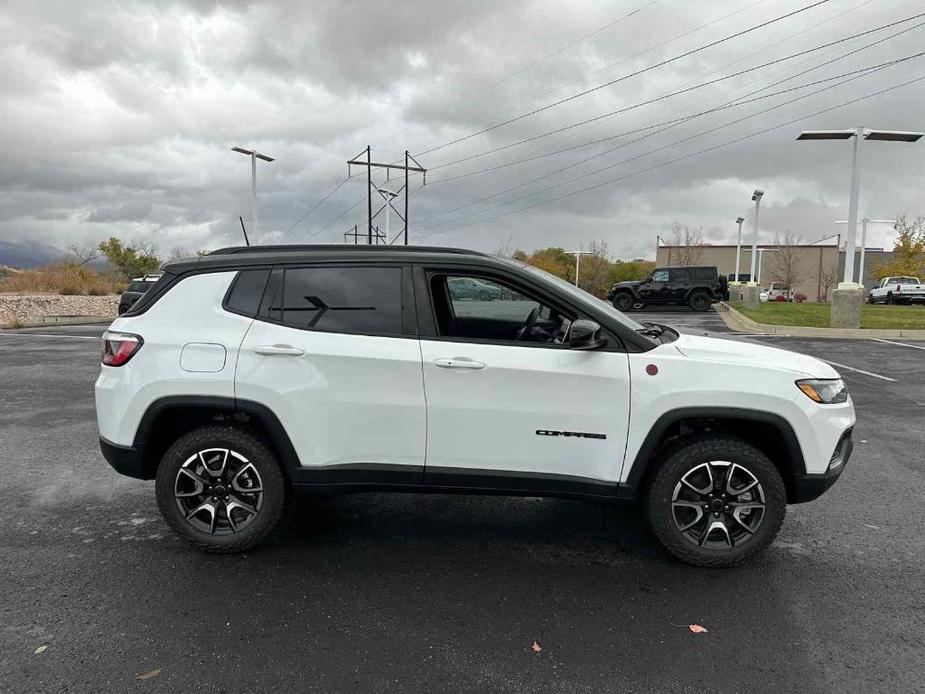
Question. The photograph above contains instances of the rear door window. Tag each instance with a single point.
(680, 275)
(364, 300)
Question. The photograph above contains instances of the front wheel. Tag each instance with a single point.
(715, 501)
(221, 489)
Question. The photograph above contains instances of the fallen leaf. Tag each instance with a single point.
(147, 675)
(41, 649)
(697, 629)
(536, 648)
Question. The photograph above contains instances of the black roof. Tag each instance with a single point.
(245, 256)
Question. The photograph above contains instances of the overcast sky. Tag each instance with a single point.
(118, 118)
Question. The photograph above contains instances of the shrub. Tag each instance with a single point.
(62, 278)
(799, 297)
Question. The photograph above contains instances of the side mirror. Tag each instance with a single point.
(585, 334)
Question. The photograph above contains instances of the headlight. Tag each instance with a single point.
(824, 390)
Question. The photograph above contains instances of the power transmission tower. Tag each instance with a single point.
(386, 195)
(355, 234)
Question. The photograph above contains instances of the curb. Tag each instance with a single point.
(40, 321)
(740, 322)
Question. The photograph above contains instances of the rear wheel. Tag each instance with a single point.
(221, 489)
(623, 301)
(715, 501)
(699, 301)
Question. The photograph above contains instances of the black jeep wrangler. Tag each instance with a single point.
(697, 287)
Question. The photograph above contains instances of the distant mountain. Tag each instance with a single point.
(26, 255)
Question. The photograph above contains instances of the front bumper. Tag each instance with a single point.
(126, 460)
(806, 487)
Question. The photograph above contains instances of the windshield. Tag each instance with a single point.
(579, 294)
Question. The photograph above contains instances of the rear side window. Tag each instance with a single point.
(681, 275)
(247, 291)
(363, 300)
(703, 273)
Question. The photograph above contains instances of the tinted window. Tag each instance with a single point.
(247, 292)
(703, 273)
(363, 300)
(681, 275)
(660, 276)
(140, 287)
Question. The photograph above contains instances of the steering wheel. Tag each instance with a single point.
(527, 331)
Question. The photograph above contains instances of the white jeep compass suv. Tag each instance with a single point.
(249, 373)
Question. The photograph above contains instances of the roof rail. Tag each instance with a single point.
(338, 248)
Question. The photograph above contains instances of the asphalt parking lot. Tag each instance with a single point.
(423, 593)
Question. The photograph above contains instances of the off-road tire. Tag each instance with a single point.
(699, 301)
(623, 301)
(275, 491)
(676, 460)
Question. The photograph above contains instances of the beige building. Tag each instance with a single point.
(816, 268)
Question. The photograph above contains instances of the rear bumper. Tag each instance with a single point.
(806, 487)
(126, 460)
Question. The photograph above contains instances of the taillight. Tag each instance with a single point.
(118, 348)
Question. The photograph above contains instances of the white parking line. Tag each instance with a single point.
(74, 337)
(860, 371)
(901, 344)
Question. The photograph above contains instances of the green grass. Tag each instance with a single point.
(816, 315)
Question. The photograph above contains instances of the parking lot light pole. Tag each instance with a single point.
(858, 134)
(254, 155)
(578, 255)
(739, 221)
(756, 198)
(388, 195)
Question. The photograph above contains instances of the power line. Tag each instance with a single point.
(315, 207)
(627, 76)
(628, 58)
(684, 157)
(673, 122)
(546, 57)
(337, 218)
(671, 94)
(670, 123)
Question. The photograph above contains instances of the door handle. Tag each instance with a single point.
(458, 363)
(282, 350)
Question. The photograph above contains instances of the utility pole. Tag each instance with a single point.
(370, 165)
(254, 155)
(578, 255)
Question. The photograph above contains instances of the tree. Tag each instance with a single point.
(908, 250)
(130, 261)
(629, 270)
(787, 266)
(828, 279)
(689, 243)
(82, 254)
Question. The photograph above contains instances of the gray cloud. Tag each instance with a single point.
(118, 118)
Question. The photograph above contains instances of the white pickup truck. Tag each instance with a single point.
(898, 290)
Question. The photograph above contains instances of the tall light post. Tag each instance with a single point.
(756, 198)
(578, 255)
(858, 134)
(254, 155)
(388, 196)
(864, 223)
(739, 221)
